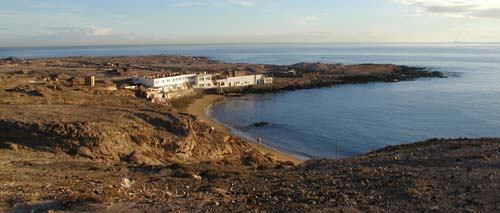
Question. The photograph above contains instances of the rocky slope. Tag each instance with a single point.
(148, 136)
(434, 176)
(66, 146)
(43, 103)
(59, 114)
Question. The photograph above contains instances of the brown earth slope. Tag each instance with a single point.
(65, 146)
(61, 115)
(439, 175)
(43, 103)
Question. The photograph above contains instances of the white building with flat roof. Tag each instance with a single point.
(204, 81)
(167, 83)
(245, 80)
(268, 80)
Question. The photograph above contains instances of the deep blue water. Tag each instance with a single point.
(358, 118)
(354, 118)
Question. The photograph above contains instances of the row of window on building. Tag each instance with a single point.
(202, 81)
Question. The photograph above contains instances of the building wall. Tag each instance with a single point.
(157, 96)
(221, 83)
(168, 83)
(144, 81)
(175, 81)
(239, 81)
(204, 81)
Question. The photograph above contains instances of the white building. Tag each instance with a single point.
(245, 80)
(204, 81)
(167, 83)
(265, 80)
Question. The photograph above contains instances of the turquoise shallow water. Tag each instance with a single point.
(354, 118)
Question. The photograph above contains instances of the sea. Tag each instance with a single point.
(346, 120)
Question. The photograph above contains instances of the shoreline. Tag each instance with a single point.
(199, 109)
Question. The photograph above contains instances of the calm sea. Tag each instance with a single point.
(349, 119)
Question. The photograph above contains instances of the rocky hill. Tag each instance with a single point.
(145, 135)
(67, 146)
(43, 103)
(437, 176)
(48, 108)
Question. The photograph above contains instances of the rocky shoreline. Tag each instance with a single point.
(44, 103)
(70, 147)
(199, 108)
(320, 80)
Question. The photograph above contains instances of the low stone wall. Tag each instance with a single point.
(168, 96)
(178, 94)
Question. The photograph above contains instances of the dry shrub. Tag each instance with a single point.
(412, 192)
(183, 102)
(12, 201)
(213, 173)
(78, 198)
(421, 184)
(367, 170)
(231, 161)
(181, 171)
(140, 139)
(455, 146)
(287, 163)
(475, 156)
(254, 157)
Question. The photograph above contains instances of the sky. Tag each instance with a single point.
(109, 22)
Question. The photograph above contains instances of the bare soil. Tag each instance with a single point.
(65, 146)
(439, 175)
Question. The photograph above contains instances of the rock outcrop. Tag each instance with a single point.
(150, 138)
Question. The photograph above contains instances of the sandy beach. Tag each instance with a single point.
(198, 108)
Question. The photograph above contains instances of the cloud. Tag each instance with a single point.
(94, 31)
(59, 6)
(202, 3)
(243, 3)
(305, 20)
(456, 8)
(88, 31)
(8, 14)
(191, 4)
(4, 28)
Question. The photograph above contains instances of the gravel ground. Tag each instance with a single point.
(439, 175)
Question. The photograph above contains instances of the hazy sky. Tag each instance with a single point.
(88, 22)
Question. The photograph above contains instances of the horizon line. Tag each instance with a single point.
(246, 43)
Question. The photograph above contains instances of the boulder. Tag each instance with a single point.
(261, 124)
(85, 152)
(125, 183)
